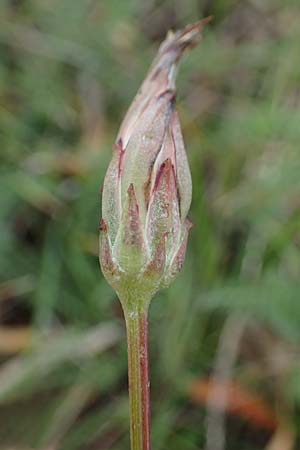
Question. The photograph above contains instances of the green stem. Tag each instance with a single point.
(138, 377)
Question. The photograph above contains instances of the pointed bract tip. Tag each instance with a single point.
(118, 146)
(165, 169)
(165, 166)
(102, 226)
(131, 228)
(188, 224)
(132, 197)
(130, 190)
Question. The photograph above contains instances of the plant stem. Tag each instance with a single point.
(138, 377)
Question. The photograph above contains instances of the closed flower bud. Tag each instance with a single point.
(147, 188)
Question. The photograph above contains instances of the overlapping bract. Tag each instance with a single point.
(147, 188)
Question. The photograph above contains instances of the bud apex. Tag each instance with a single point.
(147, 188)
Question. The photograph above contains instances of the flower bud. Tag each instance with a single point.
(147, 188)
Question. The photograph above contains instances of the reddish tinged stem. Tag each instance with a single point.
(138, 377)
(145, 382)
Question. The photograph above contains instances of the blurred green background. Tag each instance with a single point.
(68, 71)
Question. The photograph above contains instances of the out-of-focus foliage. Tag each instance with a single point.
(68, 71)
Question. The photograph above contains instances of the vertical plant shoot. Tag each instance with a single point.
(146, 198)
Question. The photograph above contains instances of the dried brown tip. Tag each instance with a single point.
(188, 37)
